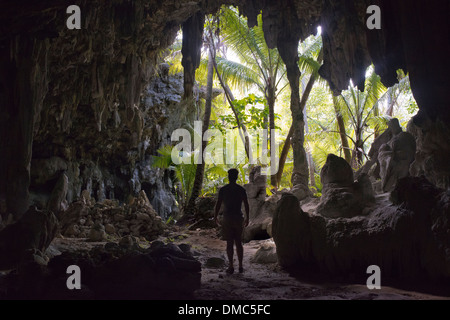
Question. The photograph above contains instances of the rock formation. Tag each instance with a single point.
(406, 240)
(95, 220)
(341, 195)
(27, 238)
(113, 272)
(391, 156)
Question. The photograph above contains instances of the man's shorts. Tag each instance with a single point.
(232, 228)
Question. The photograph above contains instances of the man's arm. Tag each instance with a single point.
(217, 209)
(247, 210)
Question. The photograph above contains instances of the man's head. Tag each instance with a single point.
(233, 175)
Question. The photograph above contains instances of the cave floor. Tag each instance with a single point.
(267, 281)
(270, 282)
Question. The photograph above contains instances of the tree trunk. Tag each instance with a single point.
(342, 133)
(288, 49)
(357, 154)
(200, 171)
(241, 127)
(312, 178)
(284, 154)
(271, 103)
(287, 142)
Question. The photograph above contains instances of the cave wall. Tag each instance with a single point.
(74, 100)
(76, 93)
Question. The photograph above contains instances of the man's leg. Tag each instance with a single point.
(239, 252)
(230, 254)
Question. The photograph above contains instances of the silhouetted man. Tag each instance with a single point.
(232, 196)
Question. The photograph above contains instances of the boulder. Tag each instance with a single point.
(261, 215)
(291, 232)
(408, 239)
(34, 230)
(215, 263)
(56, 203)
(205, 207)
(341, 196)
(110, 272)
(266, 254)
(336, 171)
(97, 233)
(395, 159)
(372, 166)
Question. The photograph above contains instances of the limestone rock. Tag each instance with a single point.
(35, 230)
(403, 239)
(395, 159)
(291, 231)
(432, 158)
(97, 233)
(301, 191)
(266, 254)
(341, 196)
(128, 242)
(337, 171)
(261, 214)
(215, 263)
(110, 229)
(58, 195)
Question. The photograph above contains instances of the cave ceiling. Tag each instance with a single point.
(49, 72)
(414, 36)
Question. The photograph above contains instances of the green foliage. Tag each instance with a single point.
(164, 160)
(252, 111)
(184, 173)
(246, 63)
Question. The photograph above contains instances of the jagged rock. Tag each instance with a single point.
(291, 231)
(97, 233)
(391, 156)
(341, 196)
(261, 214)
(205, 207)
(44, 170)
(404, 240)
(372, 166)
(71, 216)
(72, 231)
(110, 229)
(162, 272)
(138, 218)
(266, 254)
(432, 157)
(35, 230)
(57, 200)
(215, 263)
(128, 242)
(301, 191)
(395, 159)
(336, 171)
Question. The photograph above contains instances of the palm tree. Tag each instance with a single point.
(358, 110)
(309, 62)
(342, 131)
(261, 68)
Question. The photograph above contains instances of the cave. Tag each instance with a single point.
(83, 112)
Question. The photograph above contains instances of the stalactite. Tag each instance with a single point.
(191, 50)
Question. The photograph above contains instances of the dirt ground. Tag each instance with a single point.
(266, 281)
(270, 282)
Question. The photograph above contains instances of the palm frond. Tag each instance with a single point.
(236, 73)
